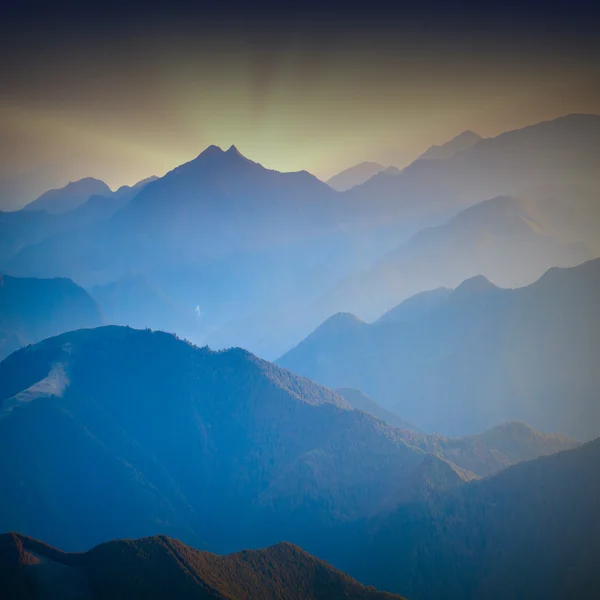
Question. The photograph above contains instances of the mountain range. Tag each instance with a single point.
(483, 356)
(80, 206)
(138, 433)
(427, 238)
(489, 238)
(563, 151)
(266, 256)
(528, 532)
(182, 439)
(531, 531)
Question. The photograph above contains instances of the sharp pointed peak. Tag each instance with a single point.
(215, 151)
(233, 150)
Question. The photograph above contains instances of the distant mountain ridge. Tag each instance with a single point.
(75, 207)
(354, 176)
(416, 306)
(137, 302)
(463, 141)
(482, 454)
(71, 196)
(266, 256)
(558, 152)
(524, 350)
(493, 450)
(34, 309)
(490, 238)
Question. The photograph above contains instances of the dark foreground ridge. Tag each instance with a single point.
(162, 567)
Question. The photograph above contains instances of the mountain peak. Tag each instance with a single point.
(475, 285)
(341, 321)
(216, 154)
(72, 195)
(211, 151)
(463, 141)
(468, 134)
(474, 288)
(233, 150)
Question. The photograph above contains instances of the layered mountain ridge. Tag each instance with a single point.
(483, 356)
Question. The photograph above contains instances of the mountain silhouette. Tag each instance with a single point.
(223, 192)
(563, 151)
(416, 306)
(30, 227)
(267, 256)
(528, 532)
(162, 567)
(220, 232)
(490, 238)
(463, 141)
(34, 309)
(485, 356)
(567, 212)
(493, 450)
(355, 175)
(138, 432)
(69, 197)
(482, 454)
(135, 301)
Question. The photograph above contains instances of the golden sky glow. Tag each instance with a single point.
(124, 109)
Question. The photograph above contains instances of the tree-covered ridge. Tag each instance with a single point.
(162, 567)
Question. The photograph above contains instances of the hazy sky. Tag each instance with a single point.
(120, 94)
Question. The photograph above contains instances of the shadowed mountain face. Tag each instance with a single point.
(138, 432)
(529, 532)
(33, 309)
(161, 567)
(485, 356)
(354, 176)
